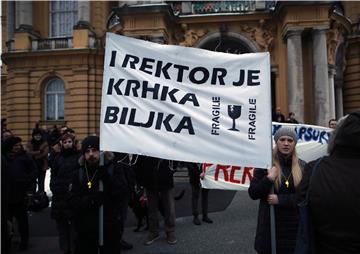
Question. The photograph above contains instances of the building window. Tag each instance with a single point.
(54, 100)
(63, 16)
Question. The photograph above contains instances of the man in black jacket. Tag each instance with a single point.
(87, 196)
(20, 175)
(334, 190)
(64, 167)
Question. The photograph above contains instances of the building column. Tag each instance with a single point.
(332, 72)
(339, 98)
(24, 32)
(83, 34)
(84, 11)
(295, 74)
(321, 78)
(24, 17)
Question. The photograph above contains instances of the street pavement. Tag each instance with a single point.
(233, 230)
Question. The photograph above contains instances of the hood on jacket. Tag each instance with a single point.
(346, 136)
(108, 158)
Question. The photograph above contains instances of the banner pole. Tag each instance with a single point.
(101, 208)
(272, 225)
(272, 209)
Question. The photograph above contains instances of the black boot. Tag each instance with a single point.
(196, 221)
(125, 245)
(207, 219)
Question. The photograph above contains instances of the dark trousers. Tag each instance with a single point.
(124, 210)
(88, 242)
(20, 213)
(195, 188)
(41, 180)
(168, 204)
(66, 231)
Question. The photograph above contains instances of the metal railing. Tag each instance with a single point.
(52, 43)
(207, 7)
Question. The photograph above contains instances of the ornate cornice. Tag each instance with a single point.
(334, 38)
(191, 36)
(262, 34)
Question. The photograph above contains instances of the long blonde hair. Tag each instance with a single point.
(296, 170)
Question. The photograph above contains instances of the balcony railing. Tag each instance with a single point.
(208, 7)
(52, 43)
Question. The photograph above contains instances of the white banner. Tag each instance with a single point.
(312, 144)
(185, 104)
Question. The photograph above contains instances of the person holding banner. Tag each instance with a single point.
(194, 179)
(285, 175)
(157, 177)
(86, 198)
(334, 190)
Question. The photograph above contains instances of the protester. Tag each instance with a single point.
(332, 123)
(55, 150)
(20, 175)
(38, 149)
(63, 169)
(6, 134)
(54, 135)
(194, 171)
(334, 191)
(285, 175)
(86, 198)
(278, 116)
(291, 118)
(157, 178)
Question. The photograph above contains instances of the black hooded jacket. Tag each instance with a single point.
(85, 201)
(20, 175)
(64, 168)
(155, 174)
(334, 193)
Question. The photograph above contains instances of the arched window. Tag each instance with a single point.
(54, 100)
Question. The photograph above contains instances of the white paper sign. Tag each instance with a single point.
(185, 104)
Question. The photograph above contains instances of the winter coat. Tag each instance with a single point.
(286, 213)
(85, 201)
(20, 174)
(39, 151)
(64, 168)
(334, 194)
(155, 174)
(194, 171)
(127, 166)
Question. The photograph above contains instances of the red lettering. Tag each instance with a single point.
(224, 169)
(232, 174)
(205, 166)
(248, 174)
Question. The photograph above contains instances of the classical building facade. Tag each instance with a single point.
(53, 53)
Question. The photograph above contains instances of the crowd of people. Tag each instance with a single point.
(81, 181)
(87, 184)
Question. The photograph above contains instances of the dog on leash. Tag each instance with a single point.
(139, 205)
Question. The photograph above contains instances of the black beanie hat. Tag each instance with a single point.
(36, 131)
(90, 142)
(10, 142)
